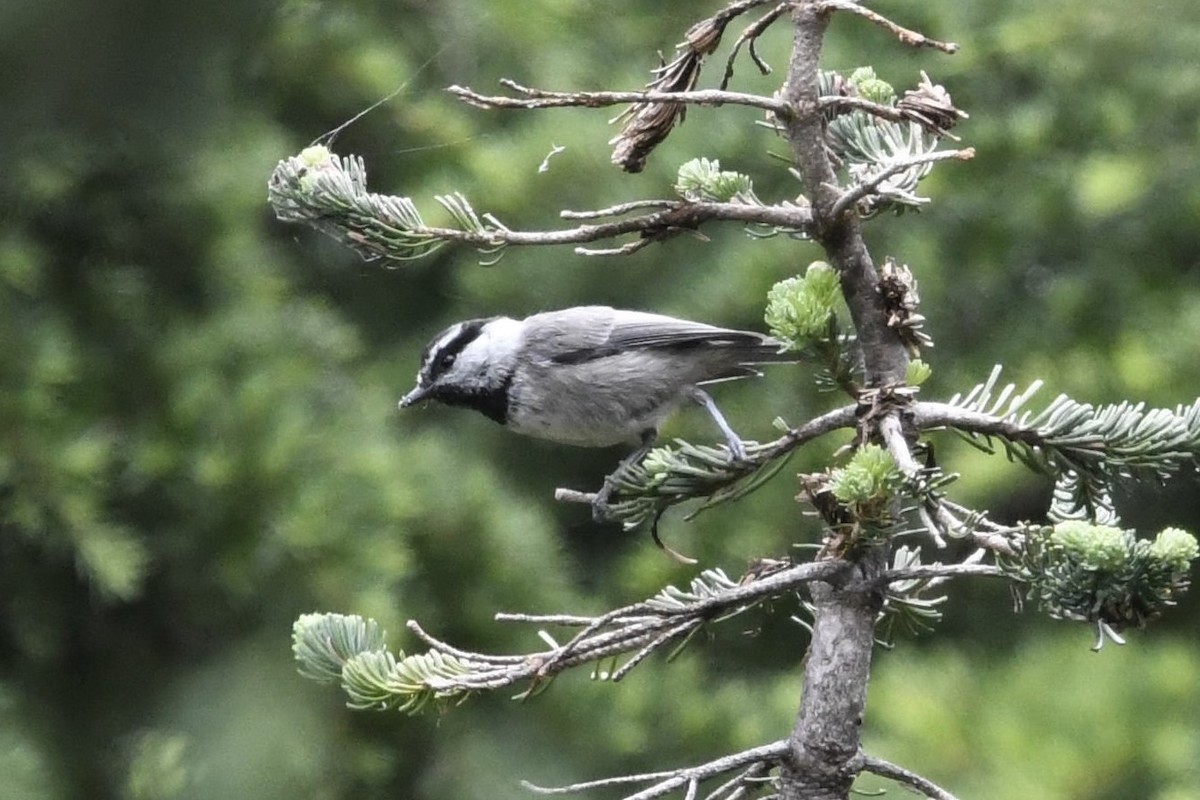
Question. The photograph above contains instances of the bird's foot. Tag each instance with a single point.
(737, 452)
(600, 506)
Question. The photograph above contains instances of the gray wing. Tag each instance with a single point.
(637, 329)
(576, 335)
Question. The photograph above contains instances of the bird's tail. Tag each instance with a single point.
(746, 351)
(763, 349)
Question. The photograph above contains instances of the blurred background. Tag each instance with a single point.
(199, 438)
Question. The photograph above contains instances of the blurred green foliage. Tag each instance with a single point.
(199, 441)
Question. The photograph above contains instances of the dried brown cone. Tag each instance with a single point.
(648, 124)
(840, 525)
(899, 290)
(930, 106)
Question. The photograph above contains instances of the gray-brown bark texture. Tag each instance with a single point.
(826, 739)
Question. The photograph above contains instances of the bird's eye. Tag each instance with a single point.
(446, 361)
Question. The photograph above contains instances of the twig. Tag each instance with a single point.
(565, 495)
(624, 250)
(543, 619)
(851, 196)
(612, 617)
(602, 783)
(444, 647)
(619, 209)
(853, 103)
(667, 782)
(735, 787)
(980, 520)
(844, 417)
(941, 571)
(540, 98)
(750, 36)
(994, 541)
(893, 436)
(905, 35)
(737, 8)
(637, 658)
(899, 774)
(995, 537)
(641, 627)
(753, 591)
(940, 515)
(928, 415)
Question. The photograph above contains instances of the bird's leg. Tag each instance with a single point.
(736, 449)
(600, 502)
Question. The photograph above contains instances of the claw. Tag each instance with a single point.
(600, 504)
(600, 501)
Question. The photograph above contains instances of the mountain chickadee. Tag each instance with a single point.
(590, 375)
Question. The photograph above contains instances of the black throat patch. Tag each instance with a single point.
(491, 402)
(439, 358)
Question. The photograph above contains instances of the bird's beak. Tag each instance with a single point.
(415, 396)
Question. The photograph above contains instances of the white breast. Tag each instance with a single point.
(597, 403)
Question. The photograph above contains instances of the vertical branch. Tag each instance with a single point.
(826, 738)
(841, 235)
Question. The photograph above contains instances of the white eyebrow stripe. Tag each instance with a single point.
(449, 336)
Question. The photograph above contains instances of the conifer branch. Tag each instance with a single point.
(330, 194)
(350, 650)
(542, 98)
(671, 475)
(754, 764)
(875, 183)
(1095, 444)
(1103, 574)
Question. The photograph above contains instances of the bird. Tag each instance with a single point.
(593, 376)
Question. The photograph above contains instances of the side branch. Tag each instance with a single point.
(672, 475)
(909, 37)
(926, 571)
(844, 417)
(868, 186)
(1085, 447)
(1069, 436)
(927, 415)
(937, 514)
(540, 98)
(640, 628)
(900, 775)
(755, 763)
(847, 103)
(333, 647)
(749, 37)
(330, 194)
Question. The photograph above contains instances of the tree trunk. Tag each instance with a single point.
(826, 739)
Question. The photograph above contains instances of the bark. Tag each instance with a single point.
(884, 355)
(825, 743)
